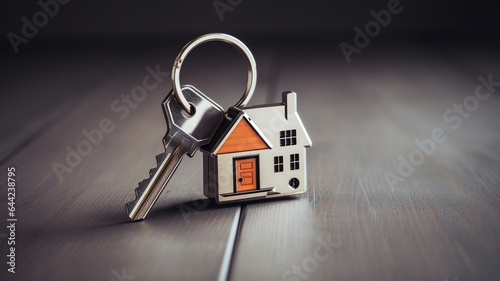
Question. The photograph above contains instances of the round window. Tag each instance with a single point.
(294, 183)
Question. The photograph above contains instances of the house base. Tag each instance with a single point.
(211, 186)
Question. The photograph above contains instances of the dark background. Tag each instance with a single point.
(104, 27)
(153, 21)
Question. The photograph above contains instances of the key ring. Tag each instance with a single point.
(252, 67)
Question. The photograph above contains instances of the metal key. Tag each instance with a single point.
(185, 134)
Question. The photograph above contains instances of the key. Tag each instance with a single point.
(185, 134)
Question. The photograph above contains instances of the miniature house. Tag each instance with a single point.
(259, 152)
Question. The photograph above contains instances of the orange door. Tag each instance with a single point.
(246, 174)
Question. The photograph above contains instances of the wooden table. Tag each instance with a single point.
(360, 219)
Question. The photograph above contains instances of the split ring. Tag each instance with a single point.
(252, 67)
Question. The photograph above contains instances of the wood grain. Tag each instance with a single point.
(441, 222)
(37, 90)
(75, 228)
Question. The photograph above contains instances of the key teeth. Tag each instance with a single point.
(130, 205)
(152, 172)
(159, 158)
(144, 183)
(142, 186)
(138, 192)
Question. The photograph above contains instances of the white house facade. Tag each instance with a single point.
(260, 153)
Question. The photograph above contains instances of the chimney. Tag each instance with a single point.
(290, 101)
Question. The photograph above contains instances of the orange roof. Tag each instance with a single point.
(243, 138)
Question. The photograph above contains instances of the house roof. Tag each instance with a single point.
(243, 135)
(258, 127)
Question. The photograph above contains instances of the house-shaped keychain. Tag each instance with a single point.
(259, 152)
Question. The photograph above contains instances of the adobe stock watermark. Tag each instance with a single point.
(30, 28)
(121, 107)
(321, 253)
(453, 116)
(123, 276)
(223, 6)
(372, 29)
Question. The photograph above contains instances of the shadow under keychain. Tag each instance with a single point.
(248, 152)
